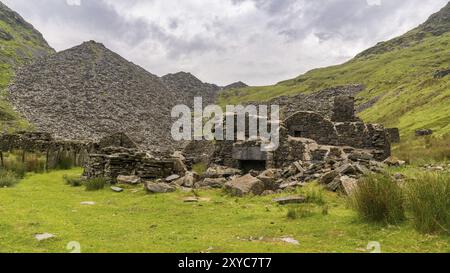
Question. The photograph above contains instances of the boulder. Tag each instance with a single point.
(335, 184)
(221, 172)
(44, 236)
(348, 184)
(116, 189)
(270, 177)
(245, 185)
(394, 162)
(290, 200)
(128, 179)
(360, 156)
(216, 183)
(159, 187)
(189, 179)
(345, 183)
(289, 184)
(424, 132)
(346, 168)
(190, 200)
(328, 177)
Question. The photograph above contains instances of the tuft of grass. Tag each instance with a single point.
(315, 195)
(95, 184)
(379, 199)
(15, 165)
(73, 180)
(428, 199)
(299, 212)
(200, 168)
(8, 179)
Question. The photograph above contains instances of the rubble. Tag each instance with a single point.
(245, 185)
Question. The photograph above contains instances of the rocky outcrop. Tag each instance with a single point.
(187, 87)
(236, 85)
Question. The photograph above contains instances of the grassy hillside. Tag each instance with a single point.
(399, 75)
(19, 43)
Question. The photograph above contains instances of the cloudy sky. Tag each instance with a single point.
(222, 41)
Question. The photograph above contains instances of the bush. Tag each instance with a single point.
(17, 166)
(379, 199)
(301, 211)
(74, 181)
(8, 178)
(428, 199)
(95, 184)
(35, 163)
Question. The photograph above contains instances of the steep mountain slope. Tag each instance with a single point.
(406, 80)
(19, 43)
(188, 87)
(89, 91)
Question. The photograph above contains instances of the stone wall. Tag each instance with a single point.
(325, 132)
(44, 143)
(393, 134)
(111, 162)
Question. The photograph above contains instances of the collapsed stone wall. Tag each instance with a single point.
(312, 137)
(44, 143)
(325, 132)
(321, 102)
(111, 162)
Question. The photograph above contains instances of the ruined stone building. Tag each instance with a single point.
(309, 136)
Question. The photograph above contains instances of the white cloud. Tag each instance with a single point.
(222, 41)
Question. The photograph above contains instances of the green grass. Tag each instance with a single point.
(133, 221)
(428, 197)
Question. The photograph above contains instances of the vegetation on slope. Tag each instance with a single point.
(403, 88)
(19, 43)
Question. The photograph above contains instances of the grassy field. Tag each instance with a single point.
(133, 221)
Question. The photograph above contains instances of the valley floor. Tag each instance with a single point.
(133, 221)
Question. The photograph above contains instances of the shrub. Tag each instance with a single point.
(65, 162)
(379, 199)
(74, 181)
(14, 165)
(428, 199)
(95, 184)
(8, 178)
(301, 211)
(315, 196)
(35, 163)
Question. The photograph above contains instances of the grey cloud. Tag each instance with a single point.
(262, 43)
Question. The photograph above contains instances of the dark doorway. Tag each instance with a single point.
(298, 134)
(247, 165)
